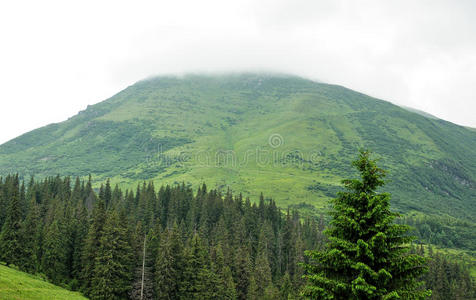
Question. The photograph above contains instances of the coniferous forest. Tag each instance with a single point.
(174, 242)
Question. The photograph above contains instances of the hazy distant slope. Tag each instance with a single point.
(218, 128)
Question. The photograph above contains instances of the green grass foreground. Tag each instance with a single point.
(15, 284)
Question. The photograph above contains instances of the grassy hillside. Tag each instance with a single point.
(18, 285)
(291, 138)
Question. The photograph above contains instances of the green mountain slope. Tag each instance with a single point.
(18, 285)
(288, 137)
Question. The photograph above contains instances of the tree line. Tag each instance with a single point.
(448, 278)
(443, 231)
(200, 245)
(176, 243)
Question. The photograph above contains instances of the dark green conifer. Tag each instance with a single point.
(91, 245)
(286, 290)
(113, 264)
(31, 234)
(169, 264)
(76, 193)
(55, 252)
(78, 235)
(10, 240)
(242, 270)
(107, 193)
(226, 286)
(253, 289)
(196, 275)
(262, 273)
(367, 256)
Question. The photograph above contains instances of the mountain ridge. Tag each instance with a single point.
(173, 129)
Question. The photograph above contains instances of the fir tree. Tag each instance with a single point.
(192, 285)
(113, 265)
(226, 286)
(262, 273)
(229, 291)
(79, 233)
(169, 264)
(107, 194)
(270, 293)
(242, 270)
(286, 290)
(10, 241)
(253, 289)
(54, 256)
(3, 203)
(76, 193)
(91, 245)
(366, 257)
(31, 234)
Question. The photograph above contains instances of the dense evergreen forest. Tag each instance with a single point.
(170, 243)
(444, 231)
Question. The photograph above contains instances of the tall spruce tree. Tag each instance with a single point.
(226, 286)
(367, 254)
(113, 266)
(80, 230)
(262, 273)
(91, 245)
(10, 239)
(53, 261)
(242, 270)
(168, 273)
(196, 274)
(31, 232)
(107, 193)
(286, 290)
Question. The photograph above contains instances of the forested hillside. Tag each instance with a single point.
(201, 244)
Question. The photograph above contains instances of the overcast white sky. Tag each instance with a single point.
(56, 57)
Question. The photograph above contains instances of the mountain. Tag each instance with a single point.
(18, 285)
(286, 136)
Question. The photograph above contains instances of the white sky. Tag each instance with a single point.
(56, 57)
